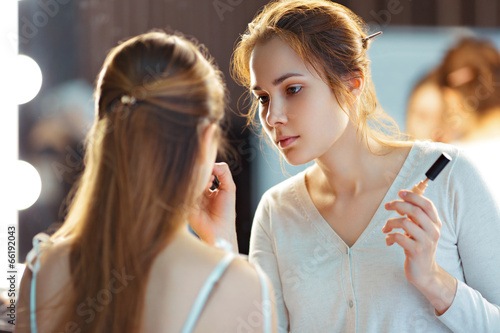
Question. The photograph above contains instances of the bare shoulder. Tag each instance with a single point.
(54, 266)
(240, 278)
(178, 277)
(238, 297)
(239, 273)
(53, 276)
(243, 278)
(241, 270)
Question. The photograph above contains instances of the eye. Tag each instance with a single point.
(263, 99)
(293, 90)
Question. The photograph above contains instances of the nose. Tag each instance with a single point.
(276, 115)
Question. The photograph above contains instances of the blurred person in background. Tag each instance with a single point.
(459, 103)
(425, 110)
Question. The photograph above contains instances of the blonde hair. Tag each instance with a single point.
(331, 39)
(140, 170)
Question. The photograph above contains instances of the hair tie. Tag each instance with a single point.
(128, 100)
(367, 38)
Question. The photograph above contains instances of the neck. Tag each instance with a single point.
(353, 166)
(180, 239)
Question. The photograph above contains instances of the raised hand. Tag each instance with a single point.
(215, 214)
(421, 224)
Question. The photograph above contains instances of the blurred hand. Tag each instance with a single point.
(215, 214)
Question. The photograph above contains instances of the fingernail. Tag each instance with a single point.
(403, 193)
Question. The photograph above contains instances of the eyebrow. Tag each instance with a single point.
(280, 79)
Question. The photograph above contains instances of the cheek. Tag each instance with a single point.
(262, 118)
(329, 125)
(262, 115)
(329, 114)
(265, 127)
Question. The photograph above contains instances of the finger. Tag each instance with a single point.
(415, 213)
(411, 229)
(394, 223)
(405, 242)
(424, 203)
(390, 206)
(223, 173)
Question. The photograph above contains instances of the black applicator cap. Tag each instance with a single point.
(438, 166)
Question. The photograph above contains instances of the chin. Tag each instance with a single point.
(296, 159)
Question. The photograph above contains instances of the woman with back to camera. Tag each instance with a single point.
(124, 260)
(325, 236)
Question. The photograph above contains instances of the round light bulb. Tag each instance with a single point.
(25, 185)
(27, 78)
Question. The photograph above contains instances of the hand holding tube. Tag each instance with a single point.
(215, 215)
(421, 224)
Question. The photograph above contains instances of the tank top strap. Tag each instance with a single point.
(40, 242)
(205, 291)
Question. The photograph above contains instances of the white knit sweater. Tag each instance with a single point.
(322, 285)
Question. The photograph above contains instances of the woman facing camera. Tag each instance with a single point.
(346, 243)
(124, 260)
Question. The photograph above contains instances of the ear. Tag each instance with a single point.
(207, 141)
(356, 83)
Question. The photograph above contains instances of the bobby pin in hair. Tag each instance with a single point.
(367, 38)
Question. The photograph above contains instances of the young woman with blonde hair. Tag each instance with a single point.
(124, 260)
(325, 236)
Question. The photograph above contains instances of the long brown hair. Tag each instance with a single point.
(154, 96)
(330, 38)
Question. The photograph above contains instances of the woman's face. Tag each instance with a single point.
(298, 111)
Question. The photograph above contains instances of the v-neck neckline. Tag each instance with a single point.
(376, 221)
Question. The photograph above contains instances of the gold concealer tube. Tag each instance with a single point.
(432, 173)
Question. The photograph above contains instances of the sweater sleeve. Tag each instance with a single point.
(262, 253)
(475, 307)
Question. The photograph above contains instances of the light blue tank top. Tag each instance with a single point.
(41, 241)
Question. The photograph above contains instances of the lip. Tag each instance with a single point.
(285, 141)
